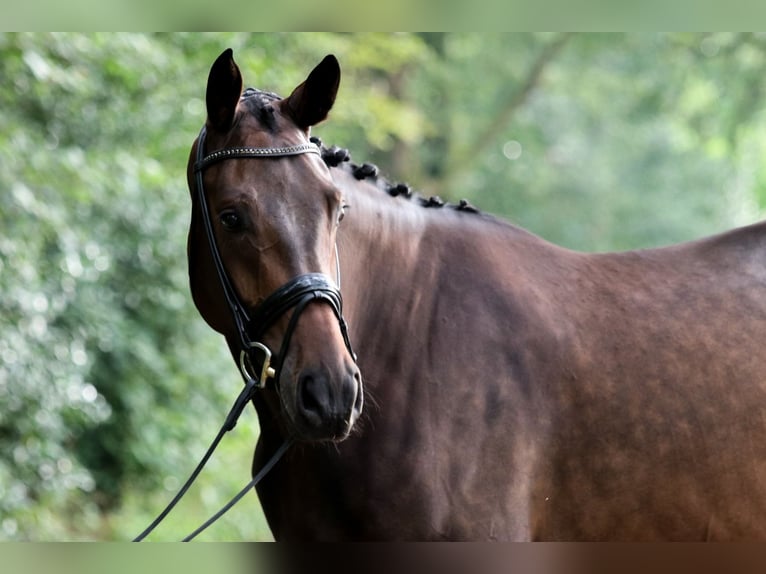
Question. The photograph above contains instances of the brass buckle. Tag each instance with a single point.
(246, 366)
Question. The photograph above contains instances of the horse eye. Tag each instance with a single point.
(232, 221)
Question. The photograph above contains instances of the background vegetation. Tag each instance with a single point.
(110, 383)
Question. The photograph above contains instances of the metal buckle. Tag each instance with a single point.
(246, 366)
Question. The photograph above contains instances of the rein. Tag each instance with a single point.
(255, 358)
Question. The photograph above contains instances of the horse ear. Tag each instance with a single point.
(224, 88)
(310, 102)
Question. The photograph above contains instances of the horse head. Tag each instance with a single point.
(262, 248)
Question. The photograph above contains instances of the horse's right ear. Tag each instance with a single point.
(224, 88)
(310, 102)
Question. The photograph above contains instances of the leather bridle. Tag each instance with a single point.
(296, 293)
(255, 358)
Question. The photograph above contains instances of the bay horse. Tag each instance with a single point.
(505, 388)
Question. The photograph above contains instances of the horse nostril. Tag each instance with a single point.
(359, 393)
(314, 398)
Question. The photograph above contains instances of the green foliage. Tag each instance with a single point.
(98, 379)
(613, 141)
(110, 383)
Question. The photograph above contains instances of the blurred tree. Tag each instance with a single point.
(640, 140)
(96, 324)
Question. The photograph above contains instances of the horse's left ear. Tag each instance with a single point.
(310, 102)
(224, 86)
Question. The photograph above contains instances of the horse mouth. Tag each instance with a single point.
(336, 430)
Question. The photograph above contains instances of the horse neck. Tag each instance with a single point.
(381, 242)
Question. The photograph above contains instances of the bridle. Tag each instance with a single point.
(255, 358)
(296, 293)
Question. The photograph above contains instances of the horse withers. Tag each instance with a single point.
(505, 388)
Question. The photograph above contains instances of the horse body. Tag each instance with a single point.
(524, 391)
(516, 390)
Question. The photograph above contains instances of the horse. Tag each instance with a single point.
(450, 376)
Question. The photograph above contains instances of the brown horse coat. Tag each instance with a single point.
(516, 390)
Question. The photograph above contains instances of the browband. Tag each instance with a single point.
(254, 152)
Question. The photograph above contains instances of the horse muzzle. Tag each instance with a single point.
(326, 408)
(319, 385)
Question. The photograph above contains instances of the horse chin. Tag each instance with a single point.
(329, 432)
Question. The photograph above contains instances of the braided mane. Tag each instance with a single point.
(340, 157)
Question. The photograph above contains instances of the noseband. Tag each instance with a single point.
(296, 294)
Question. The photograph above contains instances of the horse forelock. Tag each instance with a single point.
(260, 104)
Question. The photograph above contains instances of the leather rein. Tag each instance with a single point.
(255, 358)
